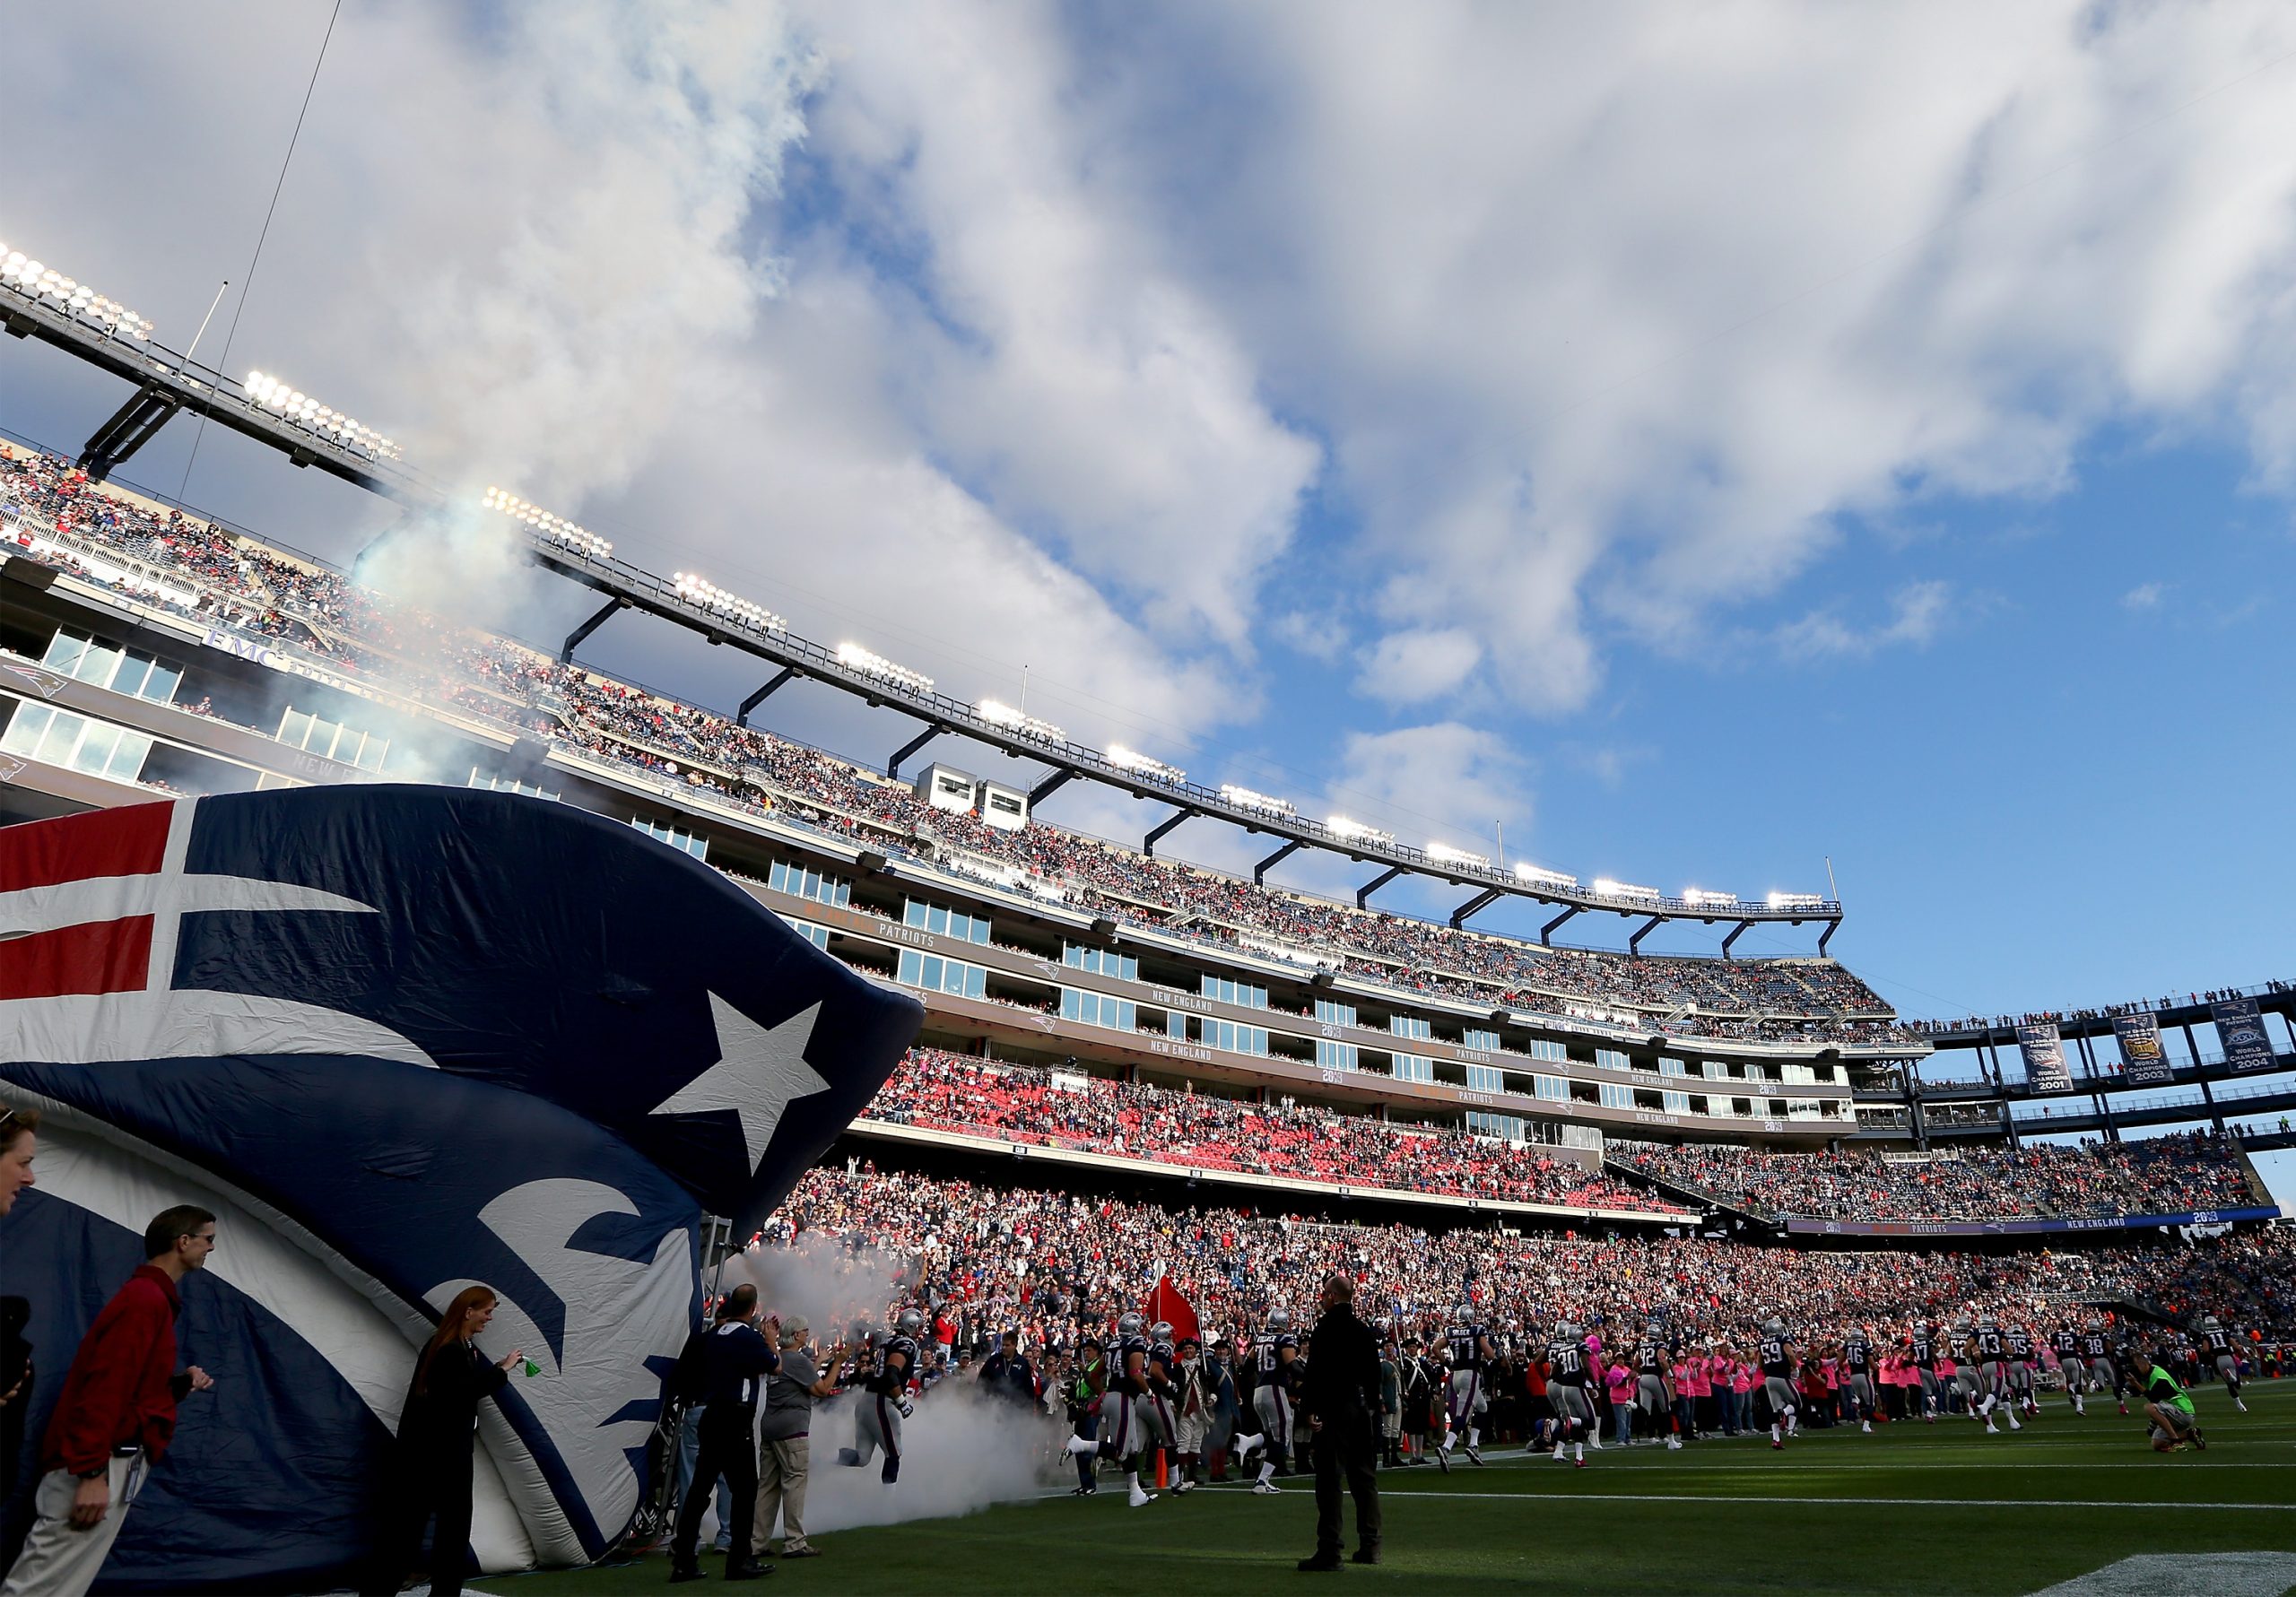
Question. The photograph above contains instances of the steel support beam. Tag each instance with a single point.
(742, 717)
(892, 765)
(130, 428)
(1546, 933)
(1363, 894)
(1736, 932)
(574, 638)
(1259, 872)
(2192, 1046)
(1058, 779)
(1459, 916)
(1148, 845)
(1826, 936)
(1634, 943)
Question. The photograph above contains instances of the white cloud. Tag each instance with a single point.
(550, 252)
(1055, 352)
(1409, 667)
(2145, 596)
(1602, 321)
(1611, 314)
(1916, 613)
(1444, 782)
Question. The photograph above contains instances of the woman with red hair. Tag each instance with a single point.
(433, 1463)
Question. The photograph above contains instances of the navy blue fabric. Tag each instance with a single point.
(560, 968)
(268, 1484)
(540, 947)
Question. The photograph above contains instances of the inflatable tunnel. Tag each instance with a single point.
(399, 1040)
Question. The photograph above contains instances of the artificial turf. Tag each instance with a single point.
(1913, 1509)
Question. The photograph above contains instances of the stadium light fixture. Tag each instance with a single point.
(298, 409)
(1604, 887)
(36, 280)
(997, 713)
(702, 592)
(556, 528)
(1355, 831)
(1444, 854)
(1140, 765)
(1705, 899)
(1794, 901)
(869, 663)
(1537, 877)
(1244, 798)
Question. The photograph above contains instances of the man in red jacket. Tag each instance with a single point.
(116, 1414)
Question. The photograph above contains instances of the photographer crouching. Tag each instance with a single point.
(1340, 1402)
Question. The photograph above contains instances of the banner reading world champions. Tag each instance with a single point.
(2246, 1046)
(2145, 1063)
(2044, 1052)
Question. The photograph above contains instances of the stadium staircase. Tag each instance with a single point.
(1682, 1191)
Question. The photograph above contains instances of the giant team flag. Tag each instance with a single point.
(400, 1040)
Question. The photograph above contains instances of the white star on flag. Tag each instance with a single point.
(760, 1071)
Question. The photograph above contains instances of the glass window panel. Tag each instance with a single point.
(160, 686)
(24, 729)
(98, 664)
(94, 753)
(294, 729)
(62, 737)
(64, 653)
(129, 677)
(127, 760)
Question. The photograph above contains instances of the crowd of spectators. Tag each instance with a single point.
(1202, 1131)
(2167, 1175)
(2138, 1006)
(992, 1257)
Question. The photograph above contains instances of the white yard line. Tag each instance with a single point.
(1836, 1501)
(2185, 1574)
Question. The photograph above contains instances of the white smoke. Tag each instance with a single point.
(962, 1450)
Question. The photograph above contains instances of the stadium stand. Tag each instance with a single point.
(1047, 1261)
(952, 1092)
(228, 579)
(1977, 1182)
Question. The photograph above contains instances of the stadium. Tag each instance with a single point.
(1842, 1297)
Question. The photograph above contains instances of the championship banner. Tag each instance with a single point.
(2044, 1052)
(2143, 1061)
(2238, 1026)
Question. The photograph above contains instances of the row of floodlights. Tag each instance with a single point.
(556, 528)
(295, 407)
(998, 714)
(869, 663)
(706, 594)
(37, 279)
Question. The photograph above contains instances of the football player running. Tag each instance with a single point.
(876, 1420)
(1471, 1352)
(1775, 1352)
(1653, 1390)
(1567, 1388)
(2216, 1349)
(1857, 1368)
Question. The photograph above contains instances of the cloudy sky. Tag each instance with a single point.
(1703, 442)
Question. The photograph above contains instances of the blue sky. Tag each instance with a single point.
(1701, 440)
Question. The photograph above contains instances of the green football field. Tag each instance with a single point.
(1913, 1509)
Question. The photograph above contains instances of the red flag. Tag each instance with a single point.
(1165, 1303)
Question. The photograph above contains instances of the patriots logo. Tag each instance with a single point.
(401, 1040)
